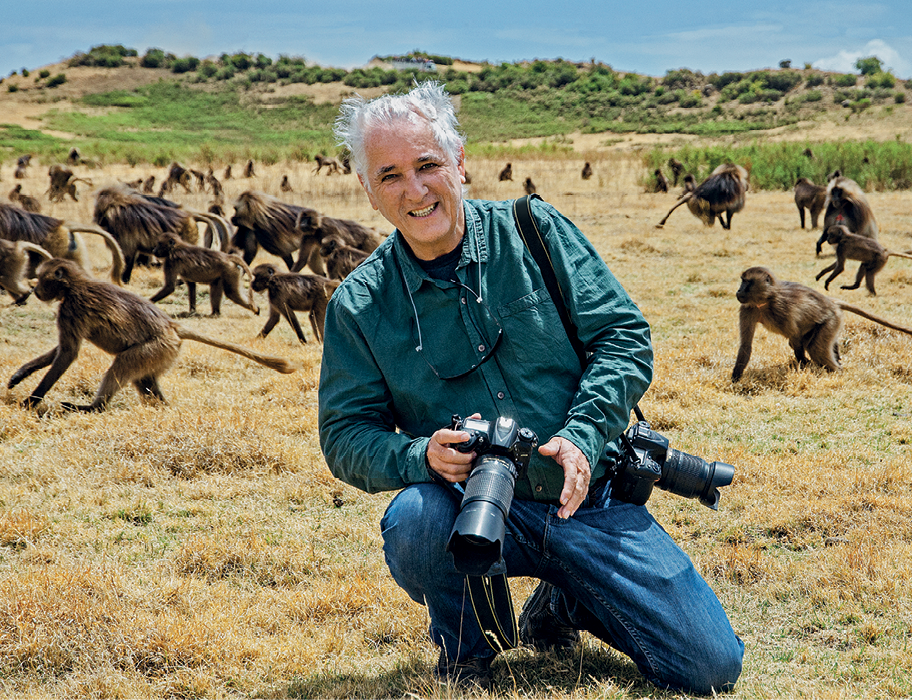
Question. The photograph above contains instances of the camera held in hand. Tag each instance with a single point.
(649, 461)
(502, 450)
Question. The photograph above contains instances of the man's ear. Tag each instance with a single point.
(370, 196)
(460, 163)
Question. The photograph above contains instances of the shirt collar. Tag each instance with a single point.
(474, 249)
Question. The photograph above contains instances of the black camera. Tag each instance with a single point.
(649, 461)
(502, 451)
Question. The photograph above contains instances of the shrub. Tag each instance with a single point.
(12, 88)
(185, 65)
(207, 69)
(58, 79)
(813, 96)
(153, 58)
(881, 80)
(44, 73)
(683, 79)
(25, 73)
(691, 99)
(814, 80)
(844, 80)
(869, 66)
(899, 97)
(104, 55)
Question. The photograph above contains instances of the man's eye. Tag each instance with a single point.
(428, 166)
(387, 177)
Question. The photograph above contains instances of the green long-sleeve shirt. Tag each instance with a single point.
(380, 398)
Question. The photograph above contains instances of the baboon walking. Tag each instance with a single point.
(145, 342)
(809, 320)
(849, 246)
(197, 265)
(332, 164)
(289, 292)
(811, 197)
(62, 183)
(846, 204)
(723, 192)
(316, 229)
(263, 220)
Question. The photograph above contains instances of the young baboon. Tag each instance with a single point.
(506, 173)
(810, 320)
(661, 182)
(286, 185)
(849, 246)
(689, 184)
(200, 179)
(61, 239)
(213, 183)
(340, 259)
(143, 339)
(26, 201)
(197, 265)
(16, 259)
(74, 158)
(587, 171)
(148, 186)
(846, 204)
(248, 169)
(529, 186)
(332, 164)
(227, 174)
(677, 169)
(289, 292)
(723, 192)
(811, 197)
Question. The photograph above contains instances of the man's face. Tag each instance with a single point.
(416, 186)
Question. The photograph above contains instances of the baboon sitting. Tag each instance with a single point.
(810, 320)
(22, 164)
(661, 182)
(197, 265)
(16, 258)
(332, 164)
(289, 292)
(340, 259)
(148, 186)
(213, 183)
(849, 246)
(846, 204)
(587, 171)
(26, 201)
(227, 174)
(723, 192)
(506, 173)
(248, 169)
(677, 169)
(74, 157)
(200, 179)
(143, 339)
(346, 165)
(61, 239)
(529, 186)
(811, 197)
(286, 185)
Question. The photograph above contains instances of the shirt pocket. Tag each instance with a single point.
(534, 334)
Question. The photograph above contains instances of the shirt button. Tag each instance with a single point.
(481, 348)
(539, 488)
(463, 300)
(500, 394)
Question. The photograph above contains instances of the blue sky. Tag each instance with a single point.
(648, 37)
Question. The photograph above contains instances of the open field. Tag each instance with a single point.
(202, 549)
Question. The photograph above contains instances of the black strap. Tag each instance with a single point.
(528, 231)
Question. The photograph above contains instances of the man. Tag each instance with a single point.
(450, 315)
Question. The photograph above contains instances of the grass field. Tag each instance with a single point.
(202, 549)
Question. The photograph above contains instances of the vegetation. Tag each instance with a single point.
(105, 55)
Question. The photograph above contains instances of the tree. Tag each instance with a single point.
(787, 63)
(869, 65)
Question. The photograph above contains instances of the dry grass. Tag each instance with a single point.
(202, 549)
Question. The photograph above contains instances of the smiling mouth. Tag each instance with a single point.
(421, 213)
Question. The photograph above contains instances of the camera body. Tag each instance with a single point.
(502, 452)
(649, 462)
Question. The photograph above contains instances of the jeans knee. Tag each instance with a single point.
(714, 670)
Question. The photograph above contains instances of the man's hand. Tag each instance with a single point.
(577, 473)
(454, 466)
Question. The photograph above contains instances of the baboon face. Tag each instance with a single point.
(53, 279)
(328, 247)
(755, 282)
(163, 248)
(310, 222)
(836, 233)
(261, 276)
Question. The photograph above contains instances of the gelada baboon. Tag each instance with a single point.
(849, 246)
(723, 192)
(846, 204)
(289, 292)
(26, 201)
(529, 186)
(137, 221)
(677, 169)
(177, 175)
(332, 164)
(506, 173)
(200, 179)
(263, 220)
(213, 183)
(197, 265)
(148, 186)
(689, 184)
(661, 182)
(248, 169)
(587, 171)
(22, 164)
(227, 174)
(810, 320)
(811, 197)
(316, 228)
(285, 186)
(16, 258)
(340, 259)
(61, 239)
(62, 183)
(74, 157)
(144, 341)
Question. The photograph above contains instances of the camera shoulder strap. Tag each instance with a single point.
(528, 231)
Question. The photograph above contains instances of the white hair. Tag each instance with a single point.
(428, 101)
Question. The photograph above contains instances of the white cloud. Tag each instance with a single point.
(844, 61)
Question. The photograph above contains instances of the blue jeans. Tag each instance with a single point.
(620, 577)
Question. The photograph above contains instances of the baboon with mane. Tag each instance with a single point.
(61, 239)
(723, 192)
(263, 220)
(145, 342)
(316, 229)
(846, 204)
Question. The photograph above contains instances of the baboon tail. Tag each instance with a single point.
(683, 200)
(117, 267)
(904, 254)
(871, 317)
(238, 260)
(279, 364)
(32, 248)
(221, 226)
